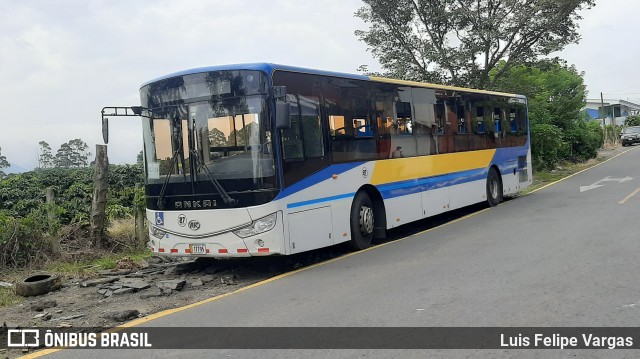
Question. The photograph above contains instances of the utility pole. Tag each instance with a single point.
(604, 121)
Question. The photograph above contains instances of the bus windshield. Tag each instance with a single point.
(215, 139)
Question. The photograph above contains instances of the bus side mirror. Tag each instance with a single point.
(283, 115)
(105, 130)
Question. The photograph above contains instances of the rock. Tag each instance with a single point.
(41, 315)
(176, 284)
(99, 281)
(123, 291)
(166, 291)
(43, 304)
(207, 278)
(228, 280)
(197, 283)
(70, 317)
(169, 271)
(46, 317)
(108, 293)
(113, 272)
(65, 325)
(102, 291)
(135, 284)
(9, 325)
(122, 316)
(153, 292)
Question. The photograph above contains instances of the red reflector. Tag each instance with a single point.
(243, 250)
(187, 250)
(207, 250)
(161, 250)
(173, 250)
(222, 251)
(263, 250)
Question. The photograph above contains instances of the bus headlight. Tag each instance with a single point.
(258, 226)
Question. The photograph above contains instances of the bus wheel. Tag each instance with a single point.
(361, 221)
(494, 188)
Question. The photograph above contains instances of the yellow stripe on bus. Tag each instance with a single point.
(403, 169)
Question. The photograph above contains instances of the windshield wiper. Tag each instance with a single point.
(196, 159)
(176, 128)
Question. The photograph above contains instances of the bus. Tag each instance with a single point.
(264, 159)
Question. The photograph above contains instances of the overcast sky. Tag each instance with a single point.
(62, 61)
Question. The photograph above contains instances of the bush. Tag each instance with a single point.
(27, 222)
(546, 145)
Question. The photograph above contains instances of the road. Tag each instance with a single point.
(556, 257)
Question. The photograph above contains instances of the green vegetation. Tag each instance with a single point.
(3, 163)
(632, 121)
(556, 93)
(32, 230)
(462, 42)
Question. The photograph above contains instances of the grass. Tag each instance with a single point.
(8, 297)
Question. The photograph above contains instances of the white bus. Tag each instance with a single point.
(263, 159)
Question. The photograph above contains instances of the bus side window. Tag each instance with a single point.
(304, 138)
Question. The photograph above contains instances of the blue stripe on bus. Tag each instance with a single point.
(405, 188)
(318, 177)
(399, 189)
(320, 200)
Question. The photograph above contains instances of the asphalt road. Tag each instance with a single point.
(556, 257)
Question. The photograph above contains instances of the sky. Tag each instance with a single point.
(62, 61)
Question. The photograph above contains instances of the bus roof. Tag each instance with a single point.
(270, 68)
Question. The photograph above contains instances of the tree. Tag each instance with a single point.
(632, 121)
(3, 163)
(461, 41)
(556, 94)
(140, 159)
(72, 154)
(45, 159)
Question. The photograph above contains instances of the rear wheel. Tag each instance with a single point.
(494, 188)
(361, 221)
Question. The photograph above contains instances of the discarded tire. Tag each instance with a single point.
(38, 284)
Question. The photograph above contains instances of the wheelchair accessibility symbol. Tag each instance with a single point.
(159, 218)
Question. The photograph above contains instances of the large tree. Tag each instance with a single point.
(45, 158)
(72, 154)
(461, 41)
(3, 163)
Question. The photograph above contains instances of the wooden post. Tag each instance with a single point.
(51, 216)
(99, 203)
(50, 198)
(141, 233)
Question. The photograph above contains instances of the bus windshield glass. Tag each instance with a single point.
(208, 133)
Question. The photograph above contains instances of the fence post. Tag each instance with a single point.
(50, 198)
(99, 202)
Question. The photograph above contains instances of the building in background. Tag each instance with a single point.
(615, 111)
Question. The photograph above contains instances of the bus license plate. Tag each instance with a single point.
(197, 248)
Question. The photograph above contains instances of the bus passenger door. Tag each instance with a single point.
(310, 229)
(435, 199)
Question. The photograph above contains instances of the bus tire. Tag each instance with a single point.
(494, 188)
(361, 221)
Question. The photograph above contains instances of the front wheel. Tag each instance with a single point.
(494, 188)
(361, 221)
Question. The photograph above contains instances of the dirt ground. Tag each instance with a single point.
(113, 297)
